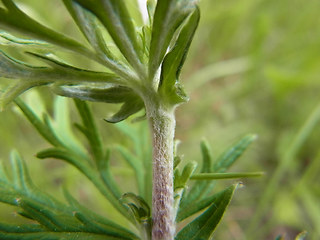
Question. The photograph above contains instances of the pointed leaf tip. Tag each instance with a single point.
(233, 153)
(204, 225)
(168, 17)
(130, 107)
(169, 85)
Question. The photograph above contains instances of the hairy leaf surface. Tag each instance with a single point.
(168, 16)
(169, 85)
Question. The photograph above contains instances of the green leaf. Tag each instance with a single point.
(114, 15)
(131, 106)
(13, 18)
(89, 26)
(202, 189)
(199, 188)
(74, 73)
(21, 176)
(106, 175)
(93, 30)
(206, 157)
(61, 126)
(204, 225)
(10, 40)
(90, 130)
(9, 196)
(83, 166)
(62, 219)
(3, 174)
(136, 164)
(12, 68)
(16, 89)
(169, 86)
(192, 209)
(168, 16)
(45, 217)
(21, 187)
(139, 136)
(91, 226)
(109, 93)
(65, 155)
(151, 6)
(47, 235)
(140, 203)
(176, 161)
(181, 180)
(59, 71)
(72, 157)
(22, 228)
(140, 211)
(213, 176)
(53, 216)
(233, 153)
(45, 131)
(90, 216)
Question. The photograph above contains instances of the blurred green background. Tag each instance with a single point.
(254, 67)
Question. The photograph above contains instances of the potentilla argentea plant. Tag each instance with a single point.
(142, 73)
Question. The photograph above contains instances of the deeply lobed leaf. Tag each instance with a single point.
(93, 30)
(201, 189)
(54, 218)
(58, 72)
(13, 18)
(114, 15)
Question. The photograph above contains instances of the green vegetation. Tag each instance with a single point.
(253, 67)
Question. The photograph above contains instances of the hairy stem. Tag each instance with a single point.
(163, 126)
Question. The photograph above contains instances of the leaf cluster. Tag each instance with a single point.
(197, 198)
(130, 72)
(56, 220)
(145, 69)
(92, 161)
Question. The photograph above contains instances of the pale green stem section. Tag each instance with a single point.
(212, 176)
(162, 123)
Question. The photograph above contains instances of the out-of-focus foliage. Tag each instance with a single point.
(254, 66)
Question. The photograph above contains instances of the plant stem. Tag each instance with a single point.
(162, 122)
